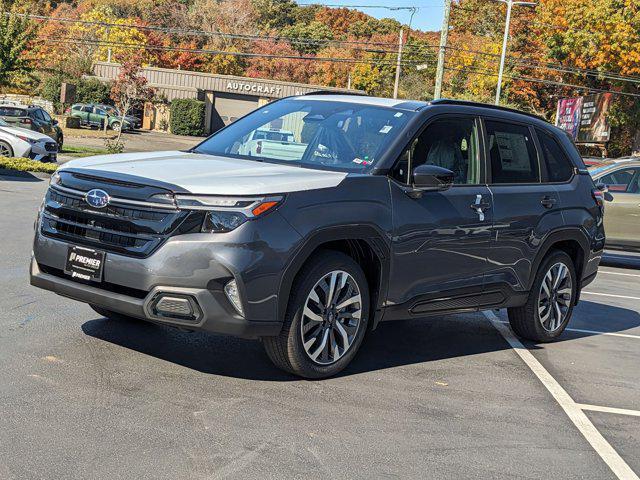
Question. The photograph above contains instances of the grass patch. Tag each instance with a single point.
(27, 165)
(79, 152)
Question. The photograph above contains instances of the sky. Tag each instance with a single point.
(427, 17)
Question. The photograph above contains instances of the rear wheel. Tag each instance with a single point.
(5, 149)
(111, 315)
(115, 126)
(551, 300)
(326, 319)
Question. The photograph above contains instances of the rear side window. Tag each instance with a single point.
(559, 167)
(11, 112)
(512, 153)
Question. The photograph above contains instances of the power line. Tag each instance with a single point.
(540, 80)
(101, 43)
(386, 7)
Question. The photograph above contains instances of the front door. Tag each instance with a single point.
(622, 214)
(441, 239)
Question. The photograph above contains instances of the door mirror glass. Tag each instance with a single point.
(432, 178)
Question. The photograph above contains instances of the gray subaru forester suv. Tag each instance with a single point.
(367, 210)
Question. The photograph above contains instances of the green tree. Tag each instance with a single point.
(15, 35)
(275, 14)
(312, 36)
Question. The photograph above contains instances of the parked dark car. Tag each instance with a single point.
(392, 210)
(34, 118)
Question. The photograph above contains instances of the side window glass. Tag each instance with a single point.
(559, 167)
(622, 181)
(47, 117)
(512, 153)
(38, 114)
(451, 143)
(87, 109)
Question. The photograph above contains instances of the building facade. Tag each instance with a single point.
(226, 97)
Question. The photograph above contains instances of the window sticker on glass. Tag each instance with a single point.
(398, 114)
(514, 155)
(386, 129)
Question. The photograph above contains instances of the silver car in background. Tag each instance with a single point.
(22, 142)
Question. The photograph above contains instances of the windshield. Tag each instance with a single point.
(312, 133)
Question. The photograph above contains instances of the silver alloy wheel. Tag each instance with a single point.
(331, 317)
(115, 126)
(5, 150)
(554, 300)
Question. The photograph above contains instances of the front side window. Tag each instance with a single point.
(625, 180)
(512, 153)
(38, 114)
(559, 167)
(325, 134)
(46, 116)
(450, 143)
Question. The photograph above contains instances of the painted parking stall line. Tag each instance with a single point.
(617, 411)
(609, 295)
(603, 448)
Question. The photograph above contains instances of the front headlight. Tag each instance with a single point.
(221, 222)
(224, 214)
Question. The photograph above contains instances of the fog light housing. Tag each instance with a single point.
(233, 294)
(173, 306)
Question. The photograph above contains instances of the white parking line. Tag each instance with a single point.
(610, 295)
(608, 454)
(619, 273)
(619, 411)
(596, 332)
(592, 332)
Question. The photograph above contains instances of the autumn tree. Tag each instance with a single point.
(15, 34)
(130, 90)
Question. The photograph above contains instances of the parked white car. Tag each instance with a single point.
(21, 142)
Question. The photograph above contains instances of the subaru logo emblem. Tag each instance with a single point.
(97, 198)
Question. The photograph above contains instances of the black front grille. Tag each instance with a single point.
(135, 231)
(51, 147)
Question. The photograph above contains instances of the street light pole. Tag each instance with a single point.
(505, 39)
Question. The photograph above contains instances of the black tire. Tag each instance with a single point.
(110, 315)
(526, 321)
(5, 149)
(286, 350)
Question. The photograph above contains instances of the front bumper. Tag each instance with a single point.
(196, 266)
(216, 316)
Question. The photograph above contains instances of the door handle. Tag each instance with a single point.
(548, 202)
(479, 206)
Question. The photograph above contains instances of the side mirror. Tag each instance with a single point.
(431, 178)
(605, 190)
(54, 123)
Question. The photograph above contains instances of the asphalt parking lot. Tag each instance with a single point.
(86, 398)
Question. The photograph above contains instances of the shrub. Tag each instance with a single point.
(27, 165)
(72, 122)
(187, 117)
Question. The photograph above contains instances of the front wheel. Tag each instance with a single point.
(5, 149)
(116, 126)
(326, 318)
(551, 300)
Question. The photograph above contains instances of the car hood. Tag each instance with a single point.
(24, 132)
(209, 174)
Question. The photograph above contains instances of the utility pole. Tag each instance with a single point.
(109, 47)
(444, 33)
(395, 86)
(505, 39)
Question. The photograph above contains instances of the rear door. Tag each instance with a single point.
(440, 240)
(525, 208)
(622, 214)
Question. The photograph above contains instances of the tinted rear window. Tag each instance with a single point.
(559, 167)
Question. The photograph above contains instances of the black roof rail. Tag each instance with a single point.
(449, 101)
(338, 92)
